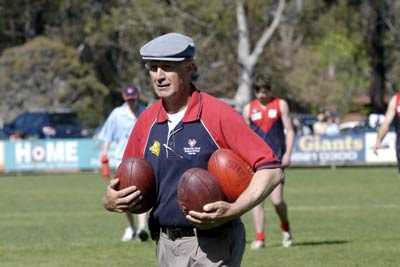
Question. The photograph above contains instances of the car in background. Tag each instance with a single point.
(303, 123)
(45, 125)
(2, 134)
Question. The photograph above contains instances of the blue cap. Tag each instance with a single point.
(168, 47)
(130, 92)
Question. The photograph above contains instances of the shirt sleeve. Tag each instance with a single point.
(229, 130)
(138, 138)
(244, 141)
(107, 131)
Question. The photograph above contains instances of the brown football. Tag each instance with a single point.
(232, 172)
(196, 188)
(138, 172)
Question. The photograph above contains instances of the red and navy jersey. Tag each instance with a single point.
(208, 124)
(266, 121)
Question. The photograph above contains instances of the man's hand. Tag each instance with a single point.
(215, 214)
(376, 147)
(128, 199)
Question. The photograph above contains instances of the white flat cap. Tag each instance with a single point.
(168, 47)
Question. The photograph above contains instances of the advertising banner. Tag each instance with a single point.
(83, 154)
(54, 154)
(320, 150)
(386, 154)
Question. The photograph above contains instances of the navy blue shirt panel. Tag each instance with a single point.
(189, 145)
(274, 137)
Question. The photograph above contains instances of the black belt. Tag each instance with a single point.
(178, 232)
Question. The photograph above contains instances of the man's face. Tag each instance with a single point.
(264, 94)
(132, 103)
(170, 78)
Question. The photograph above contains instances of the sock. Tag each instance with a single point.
(285, 227)
(260, 236)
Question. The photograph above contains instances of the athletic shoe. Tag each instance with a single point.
(257, 244)
(129, 234)
(142, 235)
(287, 239)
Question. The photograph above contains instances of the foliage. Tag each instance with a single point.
(46, 74)
(333, 76)
(336, 61)
(328, 37)
(393, 44)
(116, 39)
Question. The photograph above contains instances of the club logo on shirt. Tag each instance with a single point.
(272, 113)
(192, 149)
(256, 115)
(192, 142)
(155, 148)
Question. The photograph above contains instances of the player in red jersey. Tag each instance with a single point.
(392, 115)
(269, 117)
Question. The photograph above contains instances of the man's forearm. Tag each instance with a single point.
(381, 133)
(261, 185)
(289, 142)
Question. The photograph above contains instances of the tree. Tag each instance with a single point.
(376, 52)
(46, 74)
(247, 59)
(392, 46)
(236, 41)
(330, 67)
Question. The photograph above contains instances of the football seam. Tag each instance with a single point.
(206, 185)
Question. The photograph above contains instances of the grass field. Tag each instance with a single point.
(341, 217)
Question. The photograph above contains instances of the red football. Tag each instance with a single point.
(138, 172)
(232, 172)
(196, 188)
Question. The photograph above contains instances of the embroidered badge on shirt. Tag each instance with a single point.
(255, 116)
(272, 113)
(155, 148)
(192, 149)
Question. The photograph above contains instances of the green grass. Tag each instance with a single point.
(342, 217)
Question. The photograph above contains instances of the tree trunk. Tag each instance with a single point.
(243, 93)
(246, 58)
(376, 54)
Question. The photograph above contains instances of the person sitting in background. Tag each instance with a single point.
(300, 129)
(319, 127)
(17, 135)
(332, 128)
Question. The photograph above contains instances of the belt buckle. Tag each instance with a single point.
(174, 233)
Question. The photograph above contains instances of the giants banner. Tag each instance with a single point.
(319, 150)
